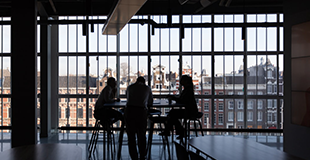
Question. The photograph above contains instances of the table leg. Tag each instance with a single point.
(149, 143)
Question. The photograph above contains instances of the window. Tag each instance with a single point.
(269, 88)
(250, 104)
(230, 116)
(206, 106)
(230, 104)
(221, 106)
(100, 84)
(269, 103)
(269, 116)
(259, 104)
(221, 93)
(90, 112)
(240, 116)
(275, 89)
(250, 116)
(80, 112)
(206, 118)
(220, 119)
(67, 113)
(250, 93)
(240, 93)
(206, 93)
(259, 93)
(259, 116)
(274, 103)
(230, 93)
(214, 106)
(240, 105)
(269, 74)
(214, 119)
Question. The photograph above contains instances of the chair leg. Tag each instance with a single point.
(200, 127)
(195, 128)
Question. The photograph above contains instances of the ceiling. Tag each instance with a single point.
(155, 7)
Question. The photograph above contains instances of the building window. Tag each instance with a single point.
(214, 106)
(274, 103)
(206, 106)
(250, 104)
(67, 114)
(240, 116)
(220, 119)
(240, 93)
(221, 106)
(230, 104)
(250, 116)
(90, 113)
(230, 116)
(259, 116)
(230, 93)
(100, 84)
(80, 112)
(206, 93)
(259, 93)
(240, 105)
(214, 119)
(269, 103)
(221, 93)
(269, 116)
(250, 93)
(259, 104)
(269, 74)
(269, 89)
(205, 118)
(275, 89)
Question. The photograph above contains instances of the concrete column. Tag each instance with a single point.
(45, 76)
(54, 76)
(24, 72)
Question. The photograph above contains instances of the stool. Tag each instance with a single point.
(107, 125)
(160, 120)
(187, 124)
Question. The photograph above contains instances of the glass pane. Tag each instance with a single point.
(164, 40)
(196, 40)
(143, 38)
(238, 81)
(62, 79)
(133, 37)
(206, 75)
(6, 38)
(272, 39)
(197, 74)
(81, 39)
(229, 39)
(218, 39)
(251, 38)
(174, 40)
(206, 39)
(187, 40)
(63, 35)
(219, 73)
(6, 75)
(93, 38)
(72, 29)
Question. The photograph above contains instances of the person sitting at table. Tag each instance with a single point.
(107, 95)
(188, 99)
(139, 98)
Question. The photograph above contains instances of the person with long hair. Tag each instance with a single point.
(187, 98)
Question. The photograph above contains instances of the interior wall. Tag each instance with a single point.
(296, 136)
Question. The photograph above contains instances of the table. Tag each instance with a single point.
(43, 152)
(122, 104)
(225, 147)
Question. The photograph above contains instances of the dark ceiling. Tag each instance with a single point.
(155, 7)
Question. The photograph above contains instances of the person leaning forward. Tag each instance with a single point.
(139, 98)
(107, 95)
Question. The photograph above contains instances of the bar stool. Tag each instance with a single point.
(187, 125)
(159, 120)
(108, 136)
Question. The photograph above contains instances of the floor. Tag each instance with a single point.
(158, 153)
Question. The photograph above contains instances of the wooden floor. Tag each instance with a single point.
(52, 151)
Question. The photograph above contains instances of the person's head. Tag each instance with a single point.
(141, 80)
(111, 82)
(186, 81)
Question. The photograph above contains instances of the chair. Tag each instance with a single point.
(194, 119)
(107, 126)
(181, 151)
(159, 120)
(195, 156)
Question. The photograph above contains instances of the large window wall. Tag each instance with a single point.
(227, 72)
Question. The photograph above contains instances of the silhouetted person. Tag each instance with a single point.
(107, 95)
(187, 97)
(139, 98)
